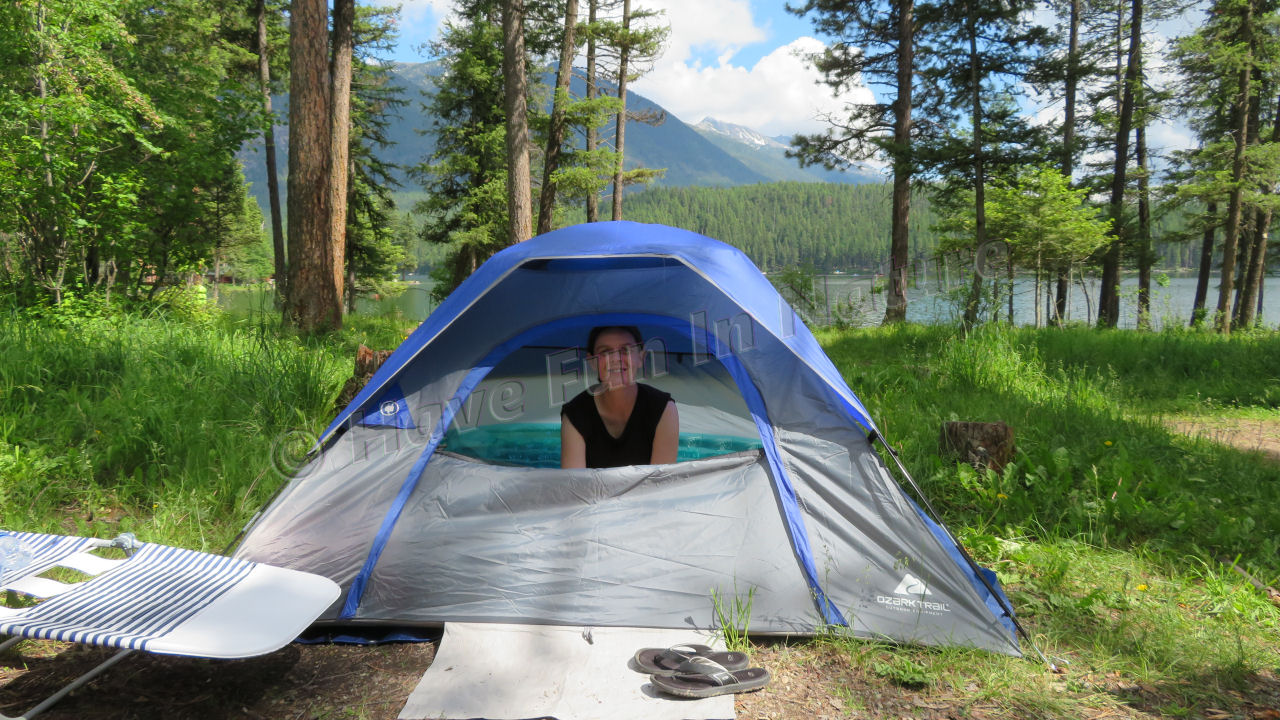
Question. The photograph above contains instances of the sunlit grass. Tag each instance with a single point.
(1112, 532)
(164, 428)
(1095, 459)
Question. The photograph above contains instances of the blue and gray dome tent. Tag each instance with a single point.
(435, 495)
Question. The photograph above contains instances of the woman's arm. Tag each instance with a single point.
(666, 438)
(573, 449)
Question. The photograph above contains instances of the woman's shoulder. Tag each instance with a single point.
(578, 403)
(654, 395)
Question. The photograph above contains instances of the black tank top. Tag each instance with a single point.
(635, 446)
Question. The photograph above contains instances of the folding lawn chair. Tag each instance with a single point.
(157, 598)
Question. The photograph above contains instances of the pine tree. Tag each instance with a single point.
(313, 300)
(874, 43)
(1226, 63)
(465, 177)
(974, 56)
(515, 107)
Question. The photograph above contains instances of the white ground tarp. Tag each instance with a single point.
(511, 672)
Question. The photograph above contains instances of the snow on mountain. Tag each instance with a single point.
(740, 133)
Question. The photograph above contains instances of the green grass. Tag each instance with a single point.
(175, 430)
(1095, 460)
(1109, 530)
(733, 617)
(1168, 636)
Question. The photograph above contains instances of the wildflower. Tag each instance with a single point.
(1143, 586)
(1107, 443)
(1002, 496)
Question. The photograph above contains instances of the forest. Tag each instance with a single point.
(124, 124)
(831, 228)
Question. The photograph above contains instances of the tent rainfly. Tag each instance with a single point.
(436, 494)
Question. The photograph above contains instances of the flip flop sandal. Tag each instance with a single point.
(710, 680)
(670, 661)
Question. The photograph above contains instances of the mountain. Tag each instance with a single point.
(712, 154)
(767, 155)
(690, 159)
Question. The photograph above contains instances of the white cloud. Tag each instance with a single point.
(417, 10)
(720, 26)
(779, 95)
(1168, 136)
(697, 77)
(420, 22)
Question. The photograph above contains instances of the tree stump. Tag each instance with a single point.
(981, 444)
(367, 363)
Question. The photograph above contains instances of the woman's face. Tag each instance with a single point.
(617, 358)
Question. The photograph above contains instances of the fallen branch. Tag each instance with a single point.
(1272, 594)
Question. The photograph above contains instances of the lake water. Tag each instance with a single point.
(414, 303)
(928, 301)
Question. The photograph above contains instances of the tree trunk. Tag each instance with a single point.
(1249, 230)
(1231, 233)
(1088, 302)
(340, 141)
(555, 133)
(1262, 294)
(519, 200)
(351, 282)
(1071, 86)
(50, 238)
(269, 141)
(217, 275)
(1063, 288)
(1145, 256)
(1109, 294)
(1254, 270)
(92, 276)
(979, 170)
(1206, 264)
(312, 303)
(1251, 303)
(1036, 296)
(1009, 299)
(593, 198)
(620, 133)
(896, 299)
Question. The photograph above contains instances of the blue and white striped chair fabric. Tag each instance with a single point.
(160, 599)
(25, 557)
(44, 552)
(145, 597)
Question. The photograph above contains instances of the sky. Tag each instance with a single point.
(740, 61)
(734, 60)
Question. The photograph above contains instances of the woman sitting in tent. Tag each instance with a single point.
(619, 421)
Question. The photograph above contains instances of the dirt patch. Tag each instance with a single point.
(298, 681)
(1250, 434)
(810, 680)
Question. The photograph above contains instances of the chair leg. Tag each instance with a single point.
(69, 687)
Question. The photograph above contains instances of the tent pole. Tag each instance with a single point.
(973, 565)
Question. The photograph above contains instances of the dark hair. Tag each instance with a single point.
(596, 332)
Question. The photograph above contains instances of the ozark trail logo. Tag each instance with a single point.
(912, 585)
(911, 593)
(389, 408)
